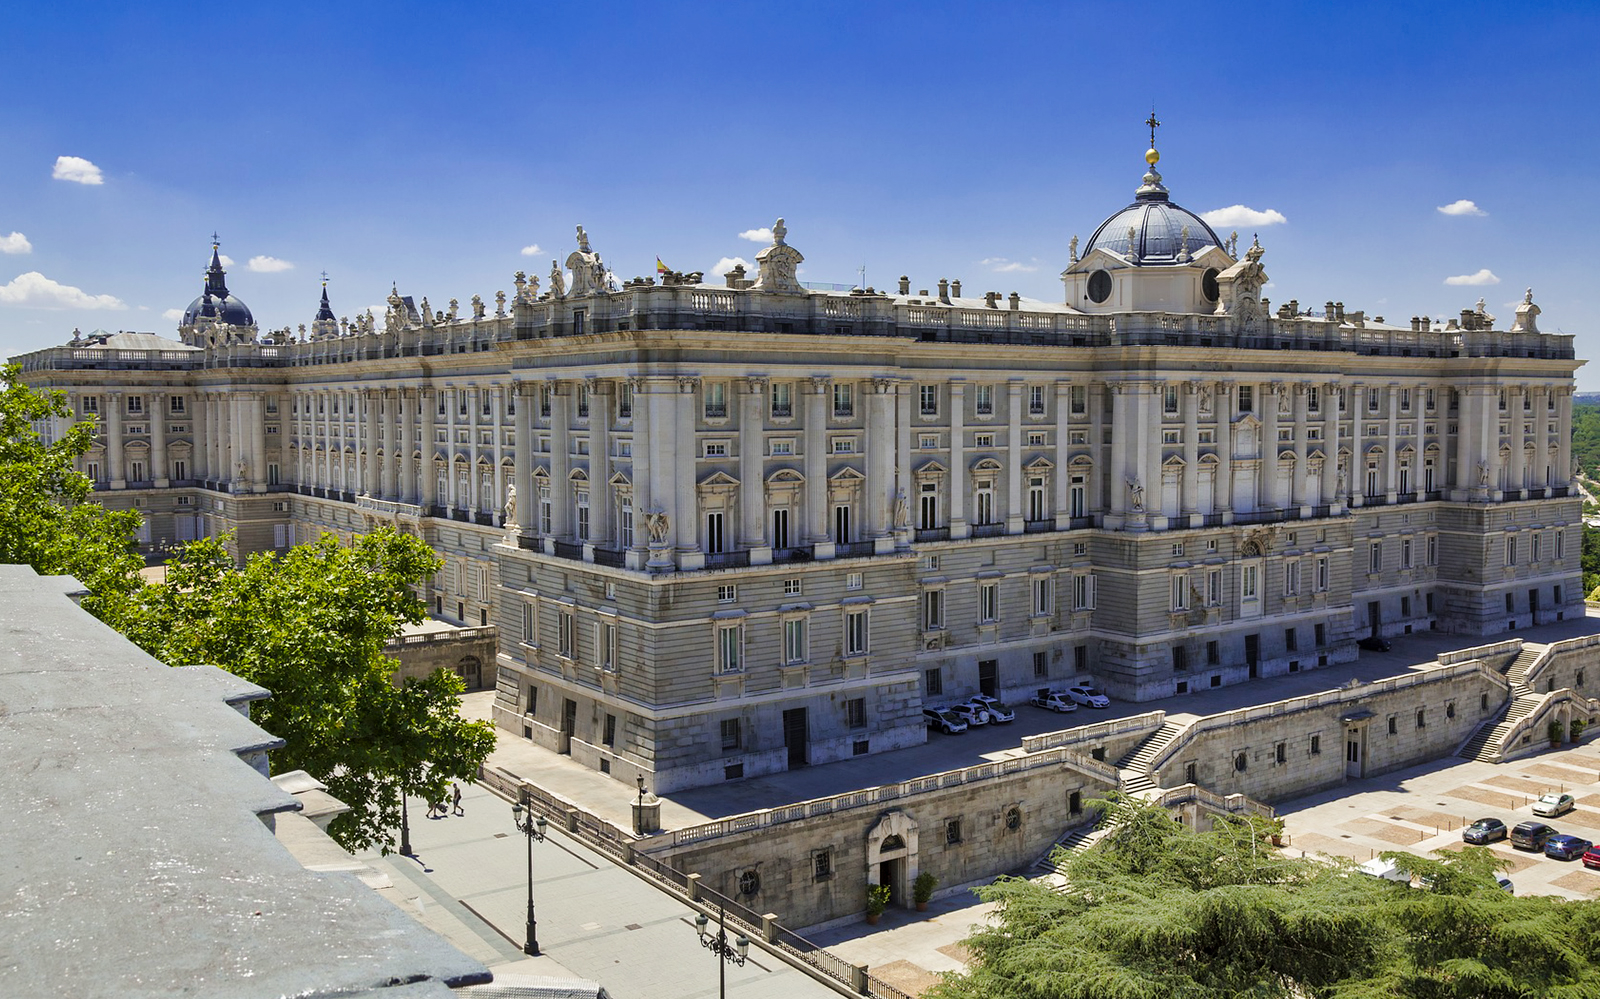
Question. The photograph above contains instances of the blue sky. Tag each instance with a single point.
(430, 144)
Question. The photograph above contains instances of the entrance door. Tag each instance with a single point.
(1252, 652)
(1375, 616)
(794, 736)
(1354, 759)
(890, 873)
(1533, 605)
(988, 677)
(569, 721)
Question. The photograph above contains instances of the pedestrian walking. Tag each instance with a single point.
(455, 800)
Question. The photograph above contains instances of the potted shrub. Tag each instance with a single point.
(1577, 729)
(922, 889)
(877, 901)
(1554, 731)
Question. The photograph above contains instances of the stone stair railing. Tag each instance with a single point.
(1530, 724)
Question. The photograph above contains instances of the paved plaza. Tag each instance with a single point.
(602, 922)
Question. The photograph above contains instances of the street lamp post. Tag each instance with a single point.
(638, 813)
(405, 828)
(717, 943)
(533, 827)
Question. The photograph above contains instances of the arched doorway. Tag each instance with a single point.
(892, 856)
(471, 672)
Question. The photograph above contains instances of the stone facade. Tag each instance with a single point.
(725, 530)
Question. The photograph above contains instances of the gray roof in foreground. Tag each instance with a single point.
(135, 861)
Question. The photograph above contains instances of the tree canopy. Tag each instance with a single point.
(311, 626)
(45, 519)
(1155, 910)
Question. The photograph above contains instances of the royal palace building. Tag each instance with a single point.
(726, 528)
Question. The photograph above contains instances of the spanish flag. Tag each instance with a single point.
(662, 268)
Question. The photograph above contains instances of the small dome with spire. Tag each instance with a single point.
(1153, 230)
(216, 303)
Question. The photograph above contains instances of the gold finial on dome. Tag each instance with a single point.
(1151, 156)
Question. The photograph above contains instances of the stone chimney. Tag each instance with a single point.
(944, 291)
(955, 288)
(1016, 301)
(905, 285)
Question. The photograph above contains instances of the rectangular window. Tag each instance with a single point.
(989, 602)
(1511, 551)
(730, 651)
(794, 640)
(782, 400)
(714, 539)
(1405, 553)
(932, 682)
(1180, 658)
(844, 405)
(1169, 400)
(1375, 557)
(624, 401)
(90, 404)
(1247, 398)
(1078, 394)
(855, 633)
(792, 586)
(1433, 548)
(135, 404)
(564, 640)
(1035, 400)
(952, 831)
(1083, 591)
(1291, 640)
(1041, 665)
(1322, 574)
(783, 448)
(716, 400)
(852, 581)
(1249, 581)
(929, 397)
(1313, 399)
(983, 440)
(610, 736)
(1537, 538)
(1213, 587)
(716, 449)
(983, 400)
(732, 732)
(1180, 591)
(1213, 653)
(530, 635)
(1044, 602)
(581, 503)
(1291, 578)
(175, 404)
(1561, 547)
(855, 712)
(822, 865)
(932, 610)
(928, 442)
(727, 594)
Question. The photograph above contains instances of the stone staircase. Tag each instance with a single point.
(1485, 743)
(1075, 841)
(1134, 768)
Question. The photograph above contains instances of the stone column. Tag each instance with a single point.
(1330, 444)
(393, 442)
(601, 531)
(904, 487)
(1515, 424)
(1391, 445)
(1358, 437)
(561, 498)
(405, 402)
(497, 413)
(159, 476)
(1063, 501)
(1222, 489)
(646, 498)
(1563, 471)
(474, 498)
(527, 501)
(1102, 460)
(1543, 471)
(1268, 489)
(880, 459)
(1302, 447)
(752, 490)
(959, 476)
(452, 483)
(200, 453)
(115, 475)
(257, 408)
(687, 523)
(370, 466)
(816, 465)
(1015, 519)
(1189, 501)
(428, 478)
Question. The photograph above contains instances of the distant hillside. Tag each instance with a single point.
(1586, 434)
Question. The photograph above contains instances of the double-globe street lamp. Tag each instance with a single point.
(531, 826)
(717, 943)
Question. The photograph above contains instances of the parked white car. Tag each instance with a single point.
(1053, 700)
(998, 712)
(947, 722)
(1089, 697)
(972, 714)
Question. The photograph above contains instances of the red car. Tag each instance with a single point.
(1591, 857)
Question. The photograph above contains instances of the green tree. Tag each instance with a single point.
(1155, 910)
(46, 520)
(1591, 558)
(311, 626)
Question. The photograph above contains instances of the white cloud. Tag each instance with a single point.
(531, 250)
(226, 260)
(1485, 276)
(727, 264)
(172, 314)
(76, 169)
(1242, 215)
(269, 265)
(1000, 265)
(1462, 207)
(15, 243)
(761, 235)
(35, 291)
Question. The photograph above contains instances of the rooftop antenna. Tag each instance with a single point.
(863, 272)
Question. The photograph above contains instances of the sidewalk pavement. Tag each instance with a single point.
(596, 920)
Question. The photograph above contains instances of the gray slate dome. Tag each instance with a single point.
(1157, 225)
(216, 302)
